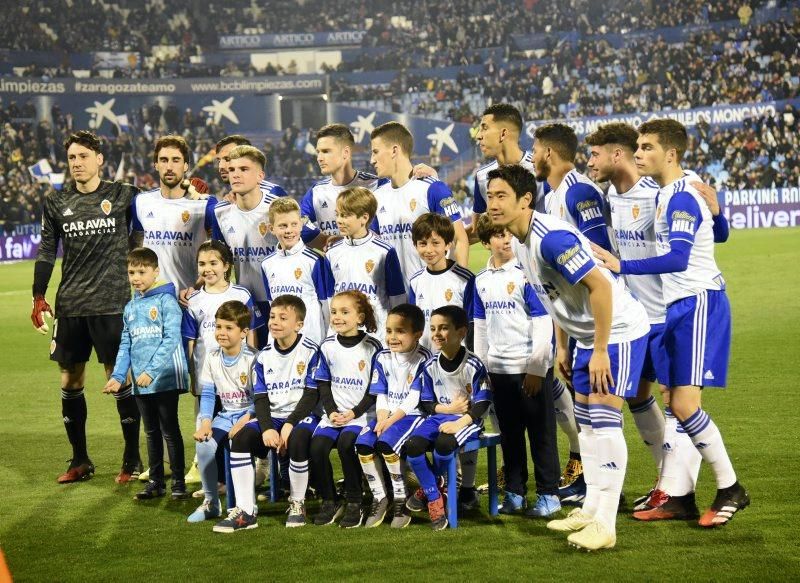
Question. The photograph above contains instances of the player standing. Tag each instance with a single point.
(90, 219)
(697, 331)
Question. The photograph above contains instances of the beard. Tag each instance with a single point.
(542, 170)
(171, 181)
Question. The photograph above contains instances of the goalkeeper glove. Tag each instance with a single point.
(195, 188)
(41, 309)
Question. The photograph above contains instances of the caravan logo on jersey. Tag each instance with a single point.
(185, 216)
(105, 206)
(262, 229)
(369, 265)
(153, 313)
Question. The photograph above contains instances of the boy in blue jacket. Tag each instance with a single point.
(151, 349)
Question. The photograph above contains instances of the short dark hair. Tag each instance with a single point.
(616, 133)
(290, 301)
(560, 137)
(671, 134)
(394, 132)
(237, 139)
(172, 141)
(520, 179)
(338, 131)
(486, 229)
(85, 139)
(222, 249)
(456, 315)
(430, 223)
(234, 311)
(413, 314)
(142, 256)
(505, 113)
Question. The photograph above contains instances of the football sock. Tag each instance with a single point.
(588, 450)
(565, 416)
(207, 464)
(469, 467)
(650, 423)
(373, 474)
(707, 439)
(129, 421)
(393, 465)
(690, 461)
(669, 478)
(73, 410)
(612, 461)
(425, 476)
(298, 479)
(243, 475)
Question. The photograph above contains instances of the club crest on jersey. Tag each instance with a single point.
(243, 379)
(297, 273)
(448, 294)
(105, 206)
(369, 265)
(658, 212)
(635, 211)
(468, 388)
(262, 228)
(510, 287)
(413, 204)
(362, 364)
(185, 216)
(410, 378)
(301, 367)
(153, 313)
(561, 211)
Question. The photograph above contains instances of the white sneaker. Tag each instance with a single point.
(593, 537)
(575, 521)
(193, 475)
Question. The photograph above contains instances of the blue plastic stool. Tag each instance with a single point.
(490, 441)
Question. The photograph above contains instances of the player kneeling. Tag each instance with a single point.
(398, 415)
(225, 373)
(285, 394)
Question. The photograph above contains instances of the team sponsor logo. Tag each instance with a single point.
(510, 287)
(634, 211)
(573, 259)
(243, 378)
(448, 294)
(153, 313)
(301, 367)
(68, 212)
(105, 206)
(683, 221)
(262, 228)
(413, 204)
(185, 216)
(369, 265)
(297, 273)
(362, 364)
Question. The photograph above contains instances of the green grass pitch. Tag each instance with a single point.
(94, 531)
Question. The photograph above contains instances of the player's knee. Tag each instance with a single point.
(642, 395)
(299, 441)
(243, 441)
(416, 446)
(364, 450)
(320, 447)
(347, 442)
(384, 448)
(206, 450)
(445, 444)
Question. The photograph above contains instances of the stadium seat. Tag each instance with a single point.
(489, 441)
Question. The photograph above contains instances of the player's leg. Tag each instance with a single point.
(416, 447)
(507, 399)
(246, 443)
(171, 430)
(540, 422)
(322, 442)
(365, 447)
(299, 450)
(564, 404)
(207, 466)
(351, 468)
(148, 409)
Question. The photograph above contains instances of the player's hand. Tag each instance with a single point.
(144, 380)
(272, 438)
(607, 259)
(112, 386)
(600, 378)
(41, 309)
(183, 296)
(709, 194)
(238, 426)
(346, 417)
(331, 240)
(450, 427)
(196, 188)
(286, 431)
(424, 171)
(202, 434)
(532, 385)
(229, 197)
(382, 426)
(459, 406)
(564, 365)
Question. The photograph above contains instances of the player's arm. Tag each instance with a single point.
(599, 287)
(721, 227)
(136, 234)
(481, 400)
(540, 360)
(461, 244)
(469, 295)
(210, 216)
(481, 339)
(208, 395)
(43, 268)
(395, 284)
(368, 400)
(263, 407)
(585, 205)
(322, 277)
(310, 396)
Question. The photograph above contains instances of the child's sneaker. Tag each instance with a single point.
(512, 503)
(546, 505)
(575, 493)
(417, 501)
(206, 511)
(437, 513)
(328, 513)
(353, 515)
(151, 490)
(193, 475)
(297, 514)
(377, 512)
(400, 518)
(468, 499)
(179, 490)
(237, 519)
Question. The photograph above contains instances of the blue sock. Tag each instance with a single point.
(425, 476)
(441, 462)
(207, 464)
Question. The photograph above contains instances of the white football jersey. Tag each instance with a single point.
(555, 257)
(303, 273)
(479, 199)
(393, 380)
(174, 228)
(319, 202)
(369, 265)
(470, 380)
(231, 382)
(398, 208)
(349, 369)
(199, 322)
(633, 216)
(682, 214)
(455, 286)
(283, 376)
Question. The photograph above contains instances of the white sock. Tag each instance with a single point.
(469, 467)
(707, 439)
(650, 423)
(670, 476)
(298, 479)
(243, 475)
(690, 461)
(392, 461)
(565, 415)
(588, 451)
(612, 461)
(373, 474)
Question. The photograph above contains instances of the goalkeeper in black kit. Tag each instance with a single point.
(90, 218)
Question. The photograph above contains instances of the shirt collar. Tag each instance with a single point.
(298, 248)
(357, 242)
(507, 266)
